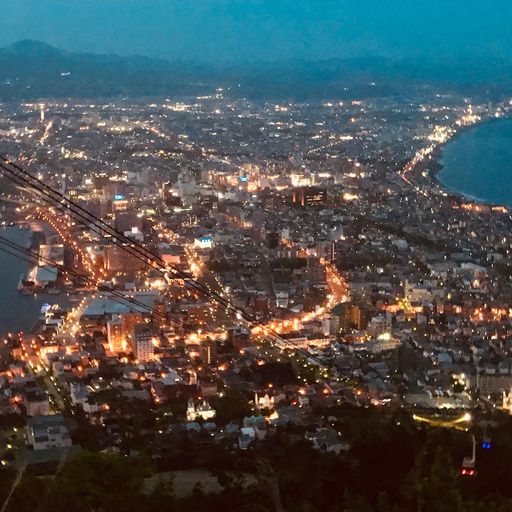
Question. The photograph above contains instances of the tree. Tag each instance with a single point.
(434, 486)
(97, 481)
(27, 495)
(162, 496)
(232, 406)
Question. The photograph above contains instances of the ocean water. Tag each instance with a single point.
(18, 312)
(478, 163)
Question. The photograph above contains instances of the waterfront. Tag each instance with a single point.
(478, 163)
(18, 312)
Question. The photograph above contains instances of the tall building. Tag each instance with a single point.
(115, 334)
(142, 342)
(326, 249)
(330, 325)
(208, 351)
(353, 316)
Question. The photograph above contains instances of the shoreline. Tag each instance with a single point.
(27, 305)
(438, 166)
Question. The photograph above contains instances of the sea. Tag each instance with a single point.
(19, 312)
(478, 163)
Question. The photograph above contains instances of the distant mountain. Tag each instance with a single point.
(31, 69)
(32, 49)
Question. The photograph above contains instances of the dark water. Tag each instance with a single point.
(478, 164)
(18, 312)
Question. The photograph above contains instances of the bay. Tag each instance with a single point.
(18, 312)
(478, 163)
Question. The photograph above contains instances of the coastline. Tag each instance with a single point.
(21, 312)
(436, 165)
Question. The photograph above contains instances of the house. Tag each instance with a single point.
(326, 439)
(79, 395)
(247, 436)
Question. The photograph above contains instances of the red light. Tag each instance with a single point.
(463, 472)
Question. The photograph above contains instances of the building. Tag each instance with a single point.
(272, 239)
(418, 293)
(36, 402)
(160, 313)
(143, 342)
(238, 337)
(79, 395)
(53, 253)
(309, 196)
(264, 402)
(383, 343)
(128, 221)
(246, 438)
(488, 384)
(296, 339)
(204, 242)
(45, 432)
(203, 411)
(129, 320)
(118, 260)
(208, 351)
(115, 337)
(326, 249)
(379, 325)
(507, 401)
(302, 179)
(326, 439)
(43, 277)
(330, 325)
(119, 203)
(352, 316)
(260, 305)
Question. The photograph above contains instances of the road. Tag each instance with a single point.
(15, 484)
(56, 395)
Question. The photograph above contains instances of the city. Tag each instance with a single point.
(219, 288)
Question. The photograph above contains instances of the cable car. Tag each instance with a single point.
(468, 464)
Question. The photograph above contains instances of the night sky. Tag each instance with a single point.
(263, 30)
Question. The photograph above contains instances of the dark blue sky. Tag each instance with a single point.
(240, 30)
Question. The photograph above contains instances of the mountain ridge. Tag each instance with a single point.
(30, 69)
